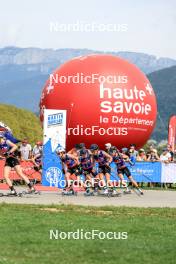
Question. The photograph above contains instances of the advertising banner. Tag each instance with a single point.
(172, 132)
(146, 171)
(141, 171)
(168, 173)
(54, 137)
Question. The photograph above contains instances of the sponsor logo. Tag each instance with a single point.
(55, 119)
(53, 176)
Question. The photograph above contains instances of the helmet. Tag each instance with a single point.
(125, 150)
(60, 150)
(113, 149)
(82, 145)
(77, 146)
(94, 147)
(108, 145)
(83, 152)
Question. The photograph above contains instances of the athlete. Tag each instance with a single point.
(71, 169)
(103, 159)
(76, 150)
(122, 169)
(88, 170)
(8, 150)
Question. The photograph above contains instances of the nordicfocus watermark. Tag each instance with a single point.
(80, 130)
(82, 26)
(94, 182)
(80, 78)
(81, 234)
(127, 100)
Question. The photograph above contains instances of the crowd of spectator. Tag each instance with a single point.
(27, 152)
(165, 155)
(152, 154)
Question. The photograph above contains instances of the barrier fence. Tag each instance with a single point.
(156, 172)
(141, 171)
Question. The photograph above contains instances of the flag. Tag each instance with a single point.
(172, 132)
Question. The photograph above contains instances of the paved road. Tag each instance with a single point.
(150, 199)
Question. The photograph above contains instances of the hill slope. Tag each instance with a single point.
(23, 123)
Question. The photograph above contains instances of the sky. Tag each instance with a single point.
(140, 26)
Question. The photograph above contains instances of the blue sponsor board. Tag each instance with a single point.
(54, 177)
(141, 171)
(146, 171)
(52, 168)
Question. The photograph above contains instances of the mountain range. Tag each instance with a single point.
(23, 72)
(46, 60)
(164, 84)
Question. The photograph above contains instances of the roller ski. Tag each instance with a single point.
(138, 191)
(69, 192)
(127, 192)
(9, 194)
(29, 192)
(89, 192)
(113, 193)
(103, 193)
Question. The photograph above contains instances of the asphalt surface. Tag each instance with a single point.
(151, 198)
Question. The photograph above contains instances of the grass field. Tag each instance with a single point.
(24, 235)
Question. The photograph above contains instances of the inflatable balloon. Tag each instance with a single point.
(107, 99)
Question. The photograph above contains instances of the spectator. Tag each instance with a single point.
(25, 150)
(132, 151)
(153, 156)
(151, 151)
(141, 156)
(169, 148)
(165, 156)
(37, 148)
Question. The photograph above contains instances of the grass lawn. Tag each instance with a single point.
(24, 235)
